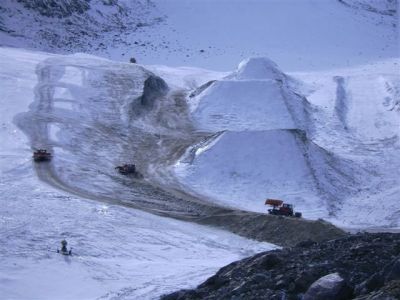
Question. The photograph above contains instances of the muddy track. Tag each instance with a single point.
(92, 136)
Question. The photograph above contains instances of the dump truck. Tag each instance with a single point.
(279, 208)
(41, 155)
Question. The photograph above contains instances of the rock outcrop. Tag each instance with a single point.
(362, 266)
(154, 88)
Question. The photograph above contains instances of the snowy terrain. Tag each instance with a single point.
(328, 142)
(213, 34)
(118, 252)
(313, 118)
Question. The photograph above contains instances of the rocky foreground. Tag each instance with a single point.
(361, 266)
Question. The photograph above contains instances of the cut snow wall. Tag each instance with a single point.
(255, 97)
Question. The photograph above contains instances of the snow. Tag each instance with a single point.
(339, 166)
(258, 68)
(244, 105)
(310, 116)
(117, 251)
(297, 35)
(366, 134)
(243, 168)
(187, 78)
(254, 97)
(216, 34)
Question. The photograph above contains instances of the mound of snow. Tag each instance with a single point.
(269, 163)
(257, 96)
(260, 68)
(242, 105)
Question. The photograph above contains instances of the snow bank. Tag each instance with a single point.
(256, 96)
(241, 169)
(242, 105)
(357, 118)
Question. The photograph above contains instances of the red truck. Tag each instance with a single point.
(279, 208)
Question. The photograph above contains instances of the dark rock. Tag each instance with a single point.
(329, 287)
(390, 291)
(260, 278)
(57, 8)
(393, 270)
(175, 296)
(154, 88)
(303, 281)
(215, 282)
(375, 282)
(270, 260)
(289, 273)
(306, 244)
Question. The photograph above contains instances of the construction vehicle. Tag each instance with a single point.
(41, 155)
(64, 250)
(279, 208)
(129, 169)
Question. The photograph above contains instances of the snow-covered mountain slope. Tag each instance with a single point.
(298, 35)
(117, 252)
(341, 162)
(65, 26)
(358, 118)
(327, 141)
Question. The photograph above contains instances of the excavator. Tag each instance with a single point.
(279, 208)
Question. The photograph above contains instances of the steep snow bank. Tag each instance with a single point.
(256, 96)
(242, 105)
(358, 118)
(243, 168)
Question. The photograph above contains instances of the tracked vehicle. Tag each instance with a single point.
(41, 155)
(129, 169)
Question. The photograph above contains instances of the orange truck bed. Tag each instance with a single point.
(273, 202)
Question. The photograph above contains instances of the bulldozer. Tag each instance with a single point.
(129, 169)
(279, 208)
(41, 155)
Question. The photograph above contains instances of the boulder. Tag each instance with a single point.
(329, 287)
(154, 88)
